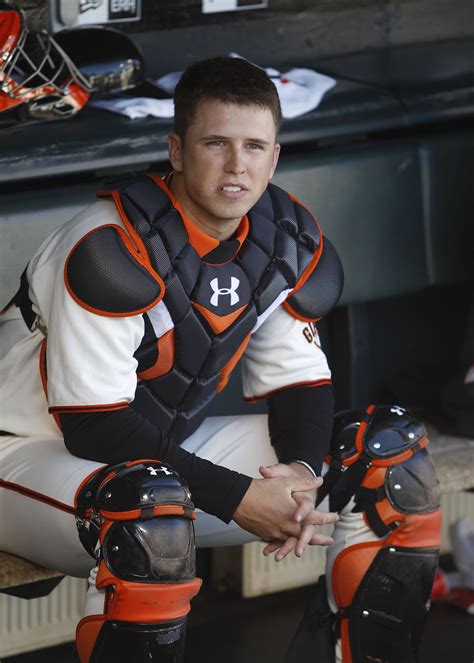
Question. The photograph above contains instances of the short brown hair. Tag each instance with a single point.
(226, 79)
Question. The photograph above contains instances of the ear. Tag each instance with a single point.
(276, 154)
(175, 152)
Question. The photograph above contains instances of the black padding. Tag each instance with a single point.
(172, 232)
(321, 292)
(391, 430)
(262, 230)
(187, 266)
(124, 642)
(346, 426)
(147, 352)
(389, 609)
(273, 284)
(223, 252)
(152, 408)
(148, 199)
(171, 388)
(175, 297)
(200, 390)
(103, 275)
(254, 261)
(413, 486)
(192, 343)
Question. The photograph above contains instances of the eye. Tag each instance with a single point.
(216, 143)
(255, 146)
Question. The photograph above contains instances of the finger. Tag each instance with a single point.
(320, 540)
(286, 548)
(306, 506)
(320, 518)
(307, 533)
(272, 547)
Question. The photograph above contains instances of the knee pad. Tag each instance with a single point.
(382, 587)
(136, 519)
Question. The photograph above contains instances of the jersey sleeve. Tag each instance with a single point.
(283, 352)
(90, 364)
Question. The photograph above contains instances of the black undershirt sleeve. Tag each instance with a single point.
(123, 435)
(300, 421)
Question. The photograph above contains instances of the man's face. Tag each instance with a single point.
(226, 161)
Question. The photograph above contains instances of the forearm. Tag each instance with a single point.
(114, 437)
(300, 424)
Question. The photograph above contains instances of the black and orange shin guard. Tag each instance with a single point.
(137, 518)
(381, 587)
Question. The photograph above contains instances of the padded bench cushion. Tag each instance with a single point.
(16, 571)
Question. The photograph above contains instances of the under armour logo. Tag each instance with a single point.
(397, 410)
(154, 471)
(232, 291)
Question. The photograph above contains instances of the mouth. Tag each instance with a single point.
(233, 190)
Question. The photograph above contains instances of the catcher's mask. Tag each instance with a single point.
(46, 78)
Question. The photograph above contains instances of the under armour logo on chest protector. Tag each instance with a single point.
(219, 292)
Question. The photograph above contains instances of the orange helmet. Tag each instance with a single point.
(38, 79)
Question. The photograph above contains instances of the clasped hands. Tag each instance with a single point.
(280, 509)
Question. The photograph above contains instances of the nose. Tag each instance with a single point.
(235, 163)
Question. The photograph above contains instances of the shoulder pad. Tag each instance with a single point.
(105, 275)
(322, 290)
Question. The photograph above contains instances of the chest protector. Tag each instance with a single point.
(199, 310)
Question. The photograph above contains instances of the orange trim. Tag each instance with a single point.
(106, 407)
(165, 360)
(345, 642)
(388, 514)
(374, 477)
(421, 531)
(87, 632)
(296, 315)
(229, 367)
(310, 384)
(349, 568)
(219, 323)
(134, 514)
(128, 244)
(139, 245)
(146, 602)
(396, 460)
(362, 428)
(315, 259)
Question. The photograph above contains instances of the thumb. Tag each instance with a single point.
(268, 471)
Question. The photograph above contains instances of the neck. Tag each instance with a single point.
(223, 231)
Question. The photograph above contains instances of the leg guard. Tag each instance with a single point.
(136, 519)
(381, 587)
